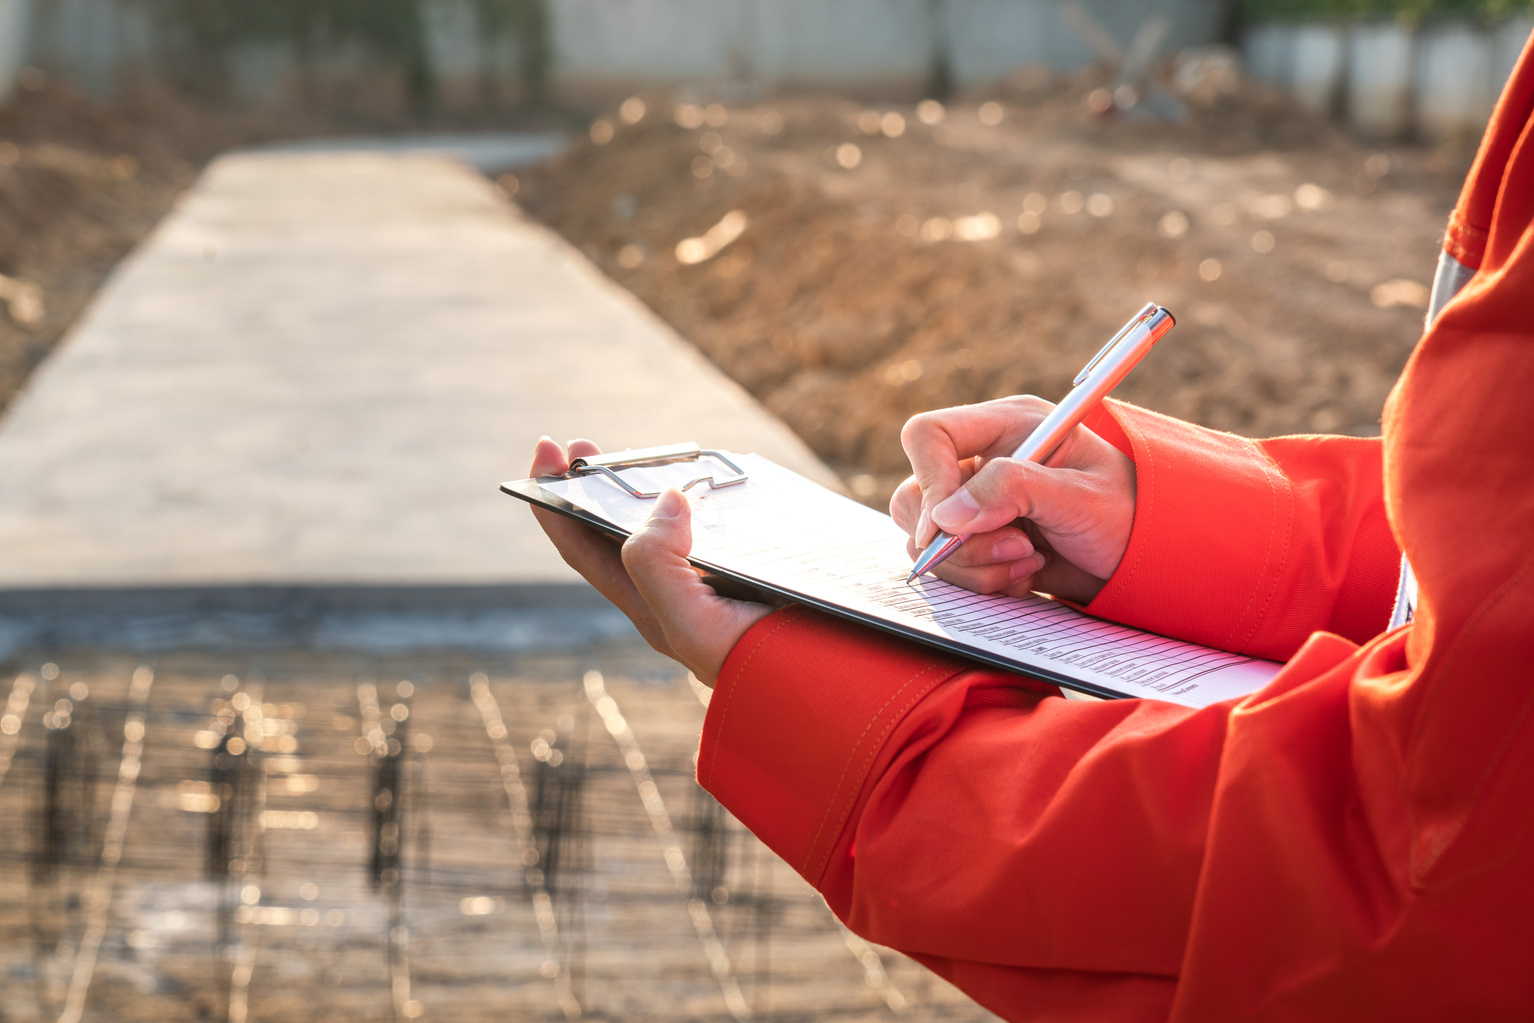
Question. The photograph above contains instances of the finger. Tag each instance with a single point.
(1006, 489)
(581, 448)
(988, 428)
(997, 547)
(1063, 578)
(594, 556)
(656, 559)
(996, 577)
(907, 506)
(598, 559)
(548, 459)
(701, 626)
(937, 442)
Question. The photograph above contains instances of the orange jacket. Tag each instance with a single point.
(1351, 842)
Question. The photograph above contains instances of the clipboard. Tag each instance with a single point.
(607, 465)
(1058, 644)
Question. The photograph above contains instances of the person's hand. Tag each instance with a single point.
(648, 577)
(1060, 527)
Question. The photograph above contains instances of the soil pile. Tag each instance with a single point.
(853, 264)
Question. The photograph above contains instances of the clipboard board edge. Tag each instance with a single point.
(528, 490)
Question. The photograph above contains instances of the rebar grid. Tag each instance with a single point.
(300, 841)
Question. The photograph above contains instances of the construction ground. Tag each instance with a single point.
(305, 720)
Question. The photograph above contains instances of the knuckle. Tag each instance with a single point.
(996, 475)
(968, 559)
(1002, 484)
(1011, 472)
(919, 426)
(935, 421)
(1031, 405)
(976, 580)
(640, 550)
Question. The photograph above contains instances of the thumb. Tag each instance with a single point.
(656, 554)
(1006, 489)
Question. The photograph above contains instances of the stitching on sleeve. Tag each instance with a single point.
(1272, 470)
(873, 751)
(868, 759)
(1267, 554)
(790, 616)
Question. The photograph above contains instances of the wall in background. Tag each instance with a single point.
(13, 39)
(888, 45)
(600, 49)
(1392, 77)
(1436, 80)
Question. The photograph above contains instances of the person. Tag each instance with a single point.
(1352, 840)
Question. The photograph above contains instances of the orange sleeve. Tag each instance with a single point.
(1354, 841)
(1251, 546)
(915, 792)
(1042, 854)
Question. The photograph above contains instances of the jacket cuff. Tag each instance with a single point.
(1211, 531)
(802, 709)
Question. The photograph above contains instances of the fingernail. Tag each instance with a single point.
(1025, 568)
(923, 524)
(668, 505)
(956, 512)
(1009, 548)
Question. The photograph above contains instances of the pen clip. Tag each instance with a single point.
(1145, 313)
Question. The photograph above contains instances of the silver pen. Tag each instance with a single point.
(1091, 386)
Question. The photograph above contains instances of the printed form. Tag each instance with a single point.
(794, 534)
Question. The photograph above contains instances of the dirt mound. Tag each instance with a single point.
(896, 259)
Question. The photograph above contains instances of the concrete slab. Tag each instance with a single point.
(490, 152)
(485, 620)
(315, 373)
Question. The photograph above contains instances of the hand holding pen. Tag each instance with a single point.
(1069, 521)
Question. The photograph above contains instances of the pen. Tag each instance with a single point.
(1101, 375)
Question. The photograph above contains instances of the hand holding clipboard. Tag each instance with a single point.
(777, 531)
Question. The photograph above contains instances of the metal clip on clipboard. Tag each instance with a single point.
(607, 465)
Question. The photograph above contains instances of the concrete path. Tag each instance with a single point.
(489, 152)
(315, 373)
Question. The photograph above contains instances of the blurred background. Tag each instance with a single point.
(910, 256)
(302, 720)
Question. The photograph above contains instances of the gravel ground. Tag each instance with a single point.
(288, 922)
(851, 264)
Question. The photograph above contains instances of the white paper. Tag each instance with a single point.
(787, 531)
